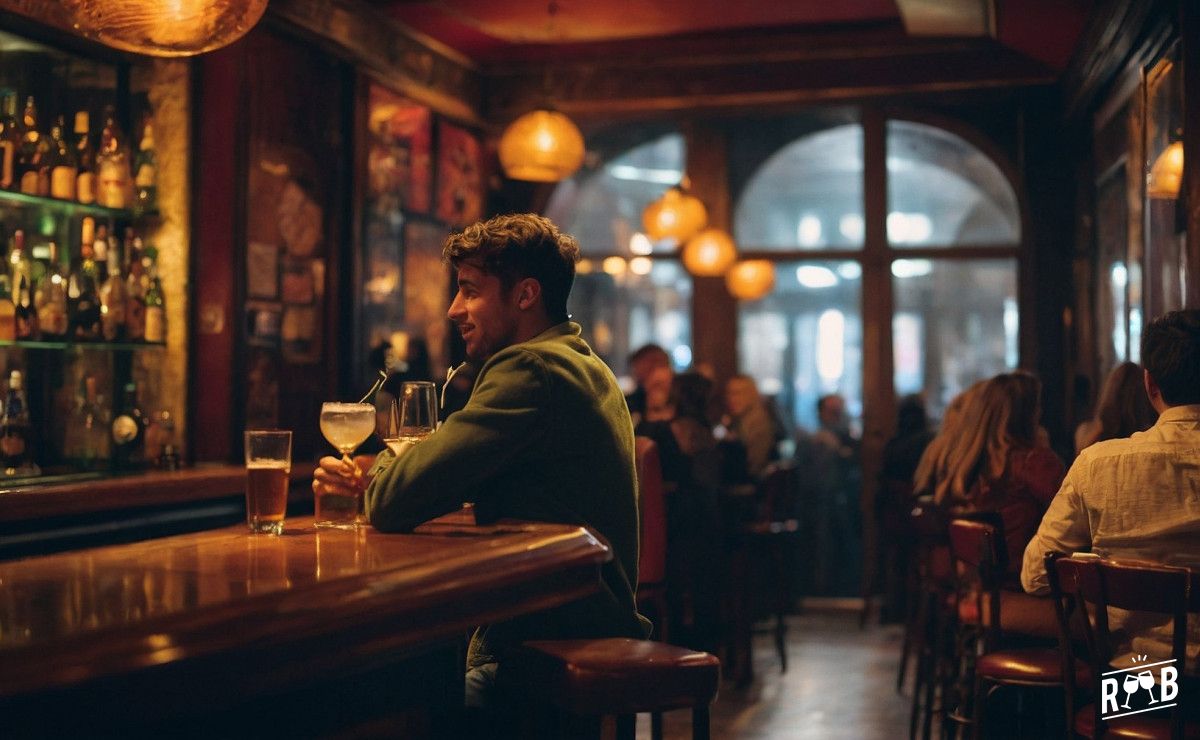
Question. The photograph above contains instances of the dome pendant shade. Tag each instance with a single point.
(676, 215)
(162, 28)
(1166, 175)
(709, 253)
(750, 280)
(541, 146)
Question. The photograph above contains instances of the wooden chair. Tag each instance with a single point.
(1095, 585)
(652, 554)
(979, 550)
(621, 677)
(929, 632)
(760, 554)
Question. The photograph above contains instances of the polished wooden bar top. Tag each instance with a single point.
(278, 606)
(34, 500)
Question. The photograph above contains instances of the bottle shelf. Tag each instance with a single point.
(103, 346)
(72, 207)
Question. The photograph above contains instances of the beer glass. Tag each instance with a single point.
(346, 426)
(413, 415)
(268, 463)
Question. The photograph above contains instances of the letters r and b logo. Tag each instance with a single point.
(1159, 679)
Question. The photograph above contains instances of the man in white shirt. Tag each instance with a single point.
(1138, 498)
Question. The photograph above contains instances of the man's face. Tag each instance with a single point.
(485, 314)
(833, 412)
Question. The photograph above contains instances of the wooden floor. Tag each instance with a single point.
(840, 684)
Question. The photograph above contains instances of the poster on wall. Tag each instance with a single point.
(284, 256)
(427, 290)
(460, 176)
(399, 164)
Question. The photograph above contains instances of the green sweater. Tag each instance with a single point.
(546, 436)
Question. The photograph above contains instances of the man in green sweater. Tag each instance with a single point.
(545, 436)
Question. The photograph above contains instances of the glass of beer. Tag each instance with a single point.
(413, 415)
(268, 463)
(346, 426)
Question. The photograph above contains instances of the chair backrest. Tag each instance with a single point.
(652, 511)
(927, 526)
(978, 552)
(778, 493)
(1095, 584)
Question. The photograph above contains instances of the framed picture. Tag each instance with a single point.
(460, 175)
(399, 163)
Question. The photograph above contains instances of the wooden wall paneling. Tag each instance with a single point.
(218, 203)
(1190, 24)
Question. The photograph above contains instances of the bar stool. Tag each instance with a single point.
(979, 548)
(621, 677)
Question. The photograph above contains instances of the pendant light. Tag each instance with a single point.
(178, 28)
(676, 215)
(750, 280)
(541, 146)
(709, 253)
(1166, 174)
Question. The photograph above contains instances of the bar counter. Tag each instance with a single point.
(203, 625)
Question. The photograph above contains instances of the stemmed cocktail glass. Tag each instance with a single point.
(346, 426)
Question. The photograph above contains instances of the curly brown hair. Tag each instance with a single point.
(518, 246)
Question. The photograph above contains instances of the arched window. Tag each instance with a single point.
(952, 229)
(623, 296)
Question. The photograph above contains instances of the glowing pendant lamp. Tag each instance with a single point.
(709, 253)
(164, 28)
(541, 146)
(1166, 174)
(676, 215)
(750, 280)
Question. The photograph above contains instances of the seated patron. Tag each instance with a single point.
(648, 364)
(1123, 409)
(998, 465)
(1138, 498)
(545, 435)
(749, 422)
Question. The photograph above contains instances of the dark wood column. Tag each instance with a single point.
(714, 311)
(1190, 21)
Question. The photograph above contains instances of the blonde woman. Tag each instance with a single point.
(997, 464)
(931, 478)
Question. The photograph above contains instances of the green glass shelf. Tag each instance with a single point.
(72, 207)
(103, 346)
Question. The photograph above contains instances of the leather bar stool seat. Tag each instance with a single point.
(619, 676)
(1029, 665)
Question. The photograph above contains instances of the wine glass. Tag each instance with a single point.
(1146, 681)
(1131, 687)
(413, 415)
(346, 426)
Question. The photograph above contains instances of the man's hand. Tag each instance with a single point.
(336, 475)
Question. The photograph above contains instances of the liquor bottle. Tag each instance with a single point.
(114, 300)
(8, 311)
(19, 263)
(31, 159)
(129, 431)
(85, 159)
(50, 299)
(92, 419)
(136, 285)
(145, 168)
(60, 160)
(10, 141)
(83, 300)
(156, 309)
(27, 315)
(15, 453)
(100, 254)
(114, 182)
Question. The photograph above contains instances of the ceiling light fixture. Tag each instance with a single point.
(709, 253)
(750, 280)
(676, 215)
(1166, 174)
(178, 28)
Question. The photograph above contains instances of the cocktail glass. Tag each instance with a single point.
(413, 415)
(346, 426)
